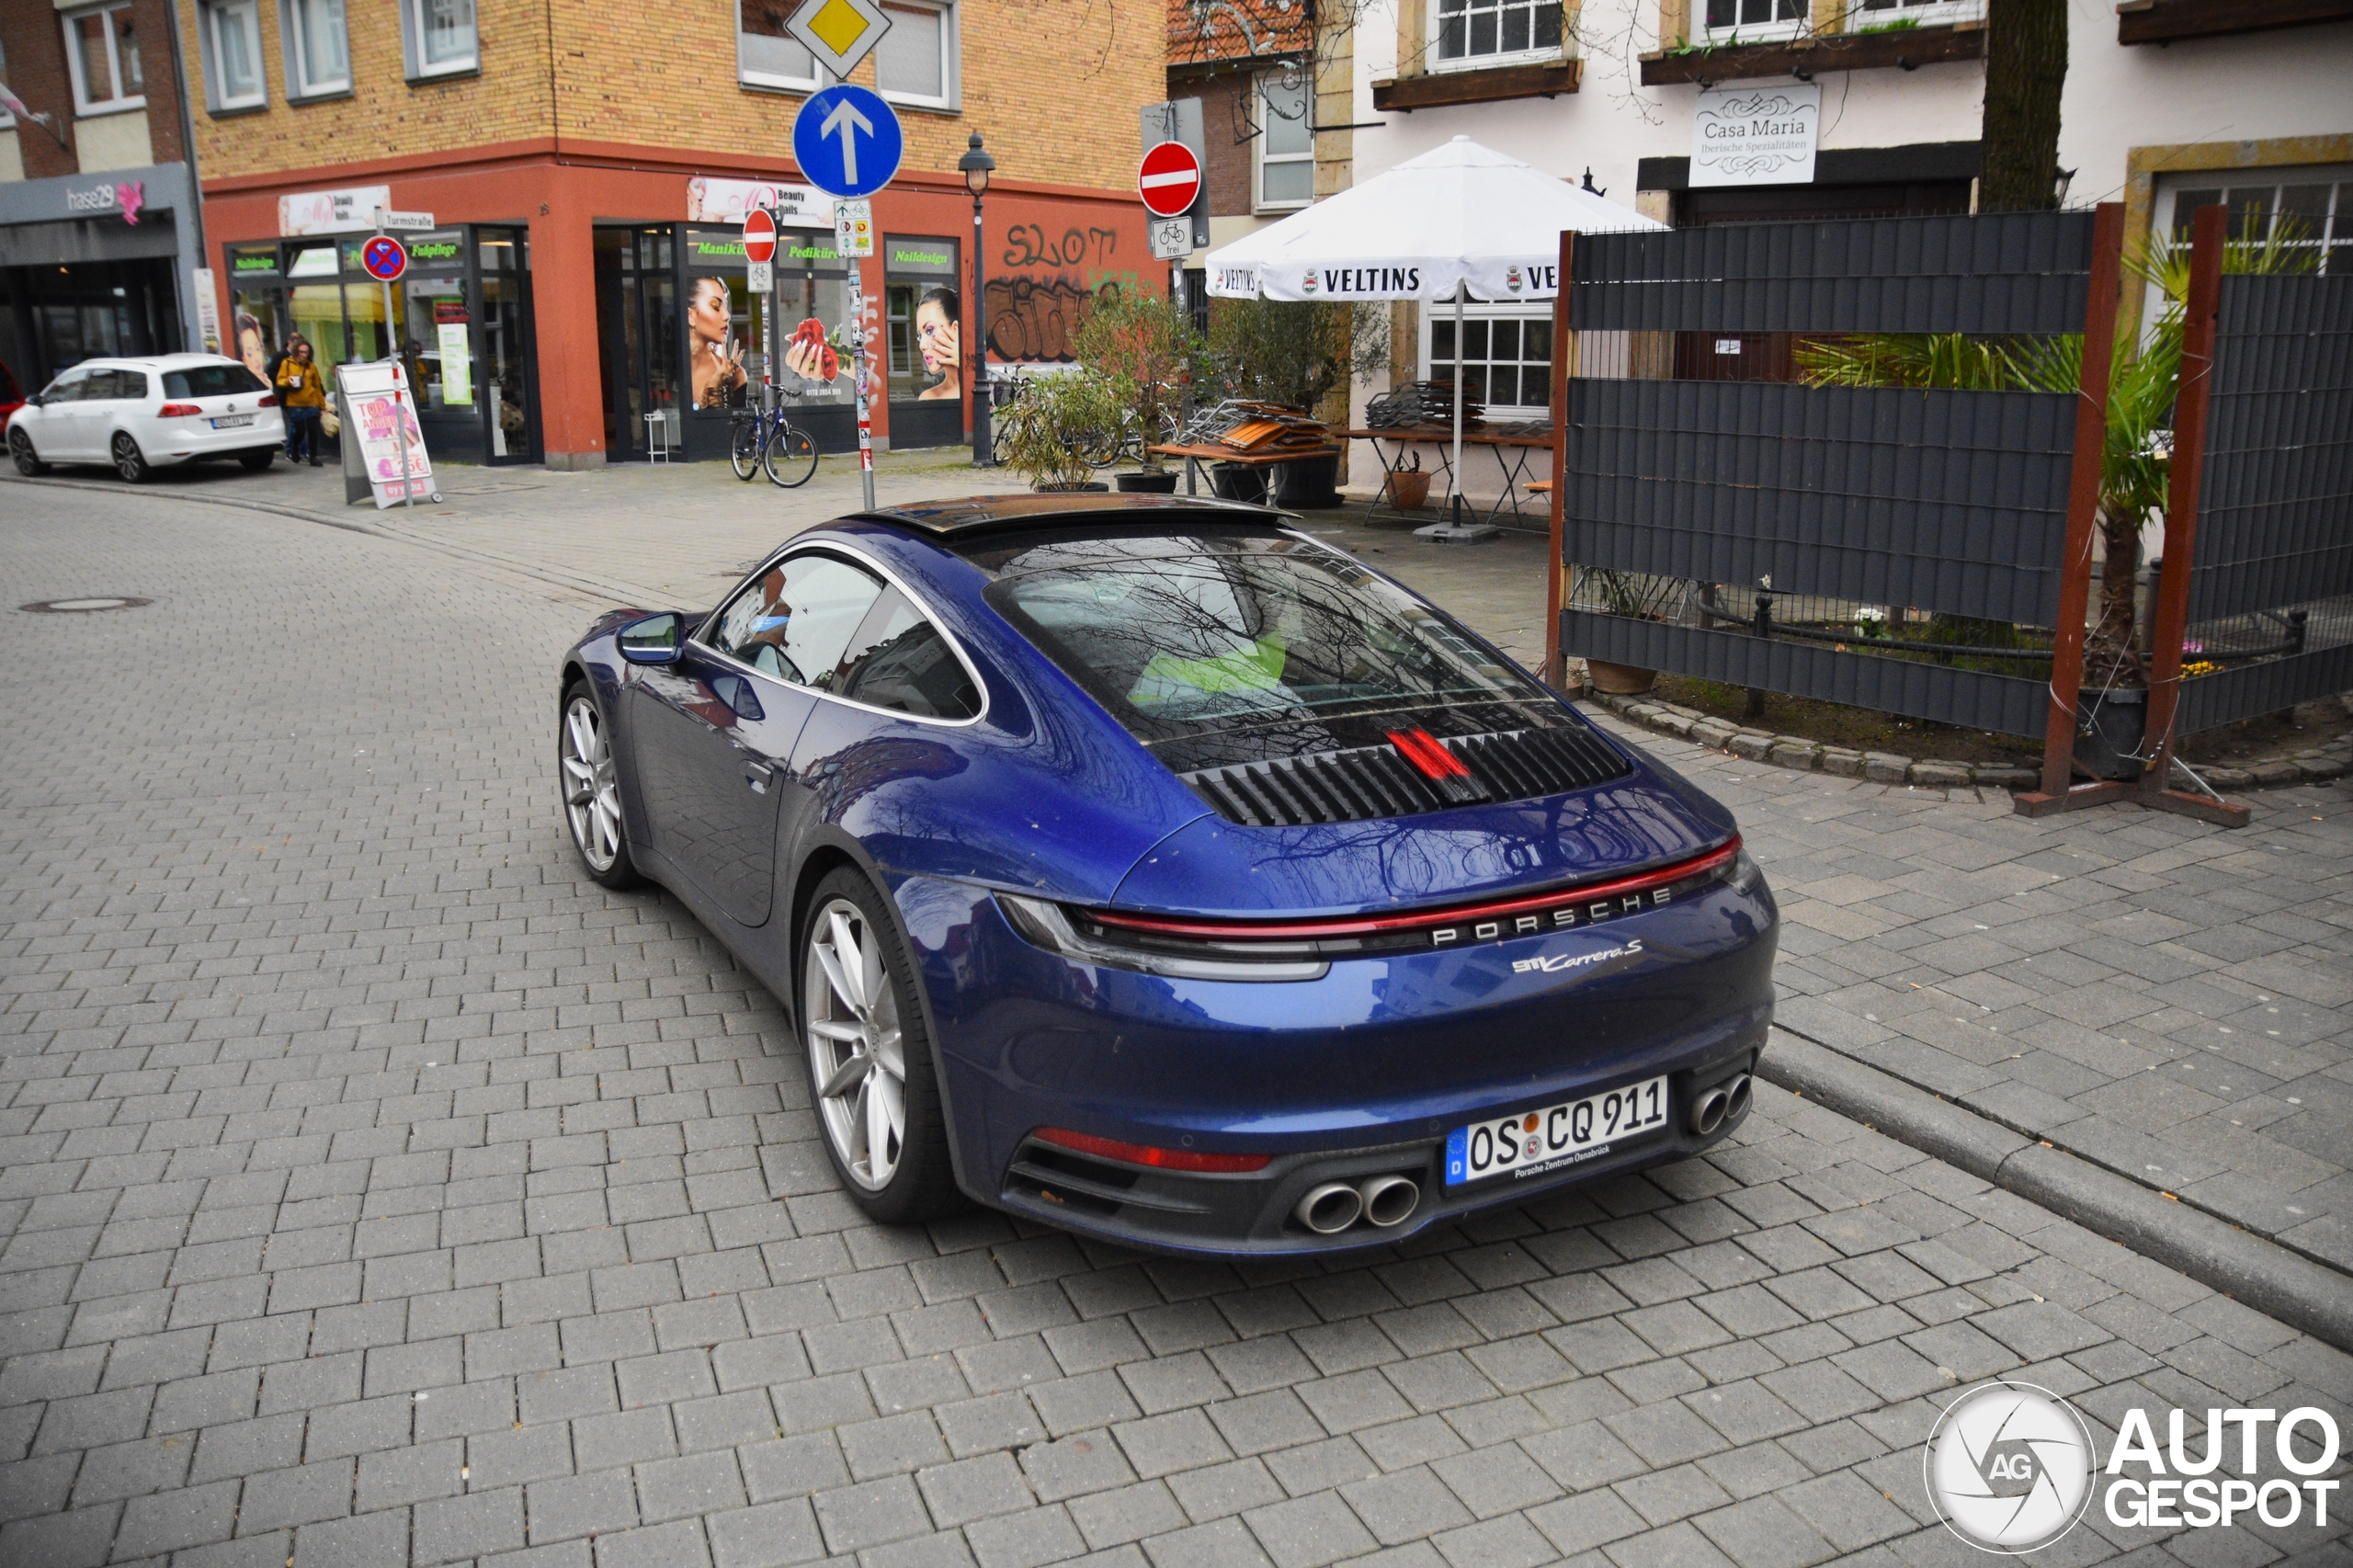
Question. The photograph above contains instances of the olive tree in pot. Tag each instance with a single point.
(1052, 430)
(1144, 345)
(1300, 354)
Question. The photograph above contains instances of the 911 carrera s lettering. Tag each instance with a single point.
(1558, 963)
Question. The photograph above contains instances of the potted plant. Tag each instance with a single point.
(1144, 345)
(1052, 431)
(1299, 353)
(1638, 596)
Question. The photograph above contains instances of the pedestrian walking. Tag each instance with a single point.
(302, 391)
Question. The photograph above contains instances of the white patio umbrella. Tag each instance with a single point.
(1460, 221)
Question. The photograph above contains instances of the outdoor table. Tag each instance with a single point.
(1515, 452)
(1218, 452)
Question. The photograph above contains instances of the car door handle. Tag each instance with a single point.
(758, 775)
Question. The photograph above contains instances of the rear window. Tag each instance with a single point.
(1176, 636)
(212, 380)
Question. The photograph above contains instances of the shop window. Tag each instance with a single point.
(439, 37)
(915, 62)
(768, 56)
(1752, 21)
(230, 44)
(1286, 145)
(318, 51)
(2309, 208)
(1506, 358)
(1469, 33)
(102, 52)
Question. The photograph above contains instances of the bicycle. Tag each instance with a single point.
(766, 440)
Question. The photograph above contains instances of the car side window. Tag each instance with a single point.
(72, 386)
(900, 661)
(128, 385)
(795, 621)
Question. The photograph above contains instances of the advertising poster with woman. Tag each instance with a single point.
(923, 325)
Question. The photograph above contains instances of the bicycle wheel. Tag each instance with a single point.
(791, 457)
(744, 450)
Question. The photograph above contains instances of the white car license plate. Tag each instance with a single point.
(230, 421)
(1538, 1140)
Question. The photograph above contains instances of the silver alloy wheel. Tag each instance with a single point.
(128, 461)
(592, 798)
(858, 1059)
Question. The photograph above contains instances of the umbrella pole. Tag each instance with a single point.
(1455, 500)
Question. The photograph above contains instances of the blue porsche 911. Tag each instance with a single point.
(1144, 866)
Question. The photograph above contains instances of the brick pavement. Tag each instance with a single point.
(376, 1191)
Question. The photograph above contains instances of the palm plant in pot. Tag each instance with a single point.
(1052, 431)
(1144, 345)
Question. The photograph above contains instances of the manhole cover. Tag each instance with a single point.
(82, 607)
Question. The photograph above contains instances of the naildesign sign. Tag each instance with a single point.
(1755, 135)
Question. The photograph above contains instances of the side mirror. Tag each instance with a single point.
(656, 639)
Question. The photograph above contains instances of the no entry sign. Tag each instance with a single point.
(1168, 180)
(385, 258)
(759, 235)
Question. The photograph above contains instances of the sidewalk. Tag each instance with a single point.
(2168, 1001)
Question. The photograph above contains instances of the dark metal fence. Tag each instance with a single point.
(1934, 502)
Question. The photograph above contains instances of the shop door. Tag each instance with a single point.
(637, 338)
(923, 316)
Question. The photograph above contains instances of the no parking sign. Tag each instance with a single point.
(385, 258)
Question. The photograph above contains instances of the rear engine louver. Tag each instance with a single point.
(1364, 782)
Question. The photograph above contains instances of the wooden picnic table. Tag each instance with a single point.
(1521, 449)
(1217, 452)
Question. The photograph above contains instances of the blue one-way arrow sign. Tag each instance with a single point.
(847, 141)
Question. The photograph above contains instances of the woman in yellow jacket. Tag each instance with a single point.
(303, 393)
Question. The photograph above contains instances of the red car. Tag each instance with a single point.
(12, 396)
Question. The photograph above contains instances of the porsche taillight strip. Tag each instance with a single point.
(1477, 917)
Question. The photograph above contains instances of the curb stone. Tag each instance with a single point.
(2318, 766)
(2262, 1274)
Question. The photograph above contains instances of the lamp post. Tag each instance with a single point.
(976, 165)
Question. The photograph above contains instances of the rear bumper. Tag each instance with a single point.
(1364, 1072)
(192, 440)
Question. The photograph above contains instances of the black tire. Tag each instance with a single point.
(593, 817)
(256, 461)
(743, 451)
(129, 460)
(21, 447)
(791, 457)
(921, 1183)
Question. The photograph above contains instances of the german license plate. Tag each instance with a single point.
(230, 421)
(1558, 1136)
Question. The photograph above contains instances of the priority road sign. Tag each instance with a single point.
(838, 33)
(385, 258)
(1168, 179)
(759, 235)
(847, 140)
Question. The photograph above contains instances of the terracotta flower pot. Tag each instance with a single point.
(1410, 489)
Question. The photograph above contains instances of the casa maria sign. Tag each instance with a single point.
(1755, 135)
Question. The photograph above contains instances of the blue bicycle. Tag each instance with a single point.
(766, 439)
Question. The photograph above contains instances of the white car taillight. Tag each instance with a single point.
(178, 411)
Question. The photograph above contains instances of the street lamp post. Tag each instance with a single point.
(976, 165)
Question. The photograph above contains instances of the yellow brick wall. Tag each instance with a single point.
(1053, 84)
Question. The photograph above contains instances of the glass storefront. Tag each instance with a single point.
(681, 336)
(923, 315)
(460, 318)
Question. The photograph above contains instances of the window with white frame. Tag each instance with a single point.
(1492, 32)
(1285, 141)
(915, 62)
(7, 120)
(102, 53)
(1752, 21)
(767, 55)
(440, 37)
(318, 49)
(1506, 354)
(231, 51)
(1888, 16)
(2308, 208)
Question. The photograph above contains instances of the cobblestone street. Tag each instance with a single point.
(378, 1192)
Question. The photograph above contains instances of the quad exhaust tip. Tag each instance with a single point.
(1329, 1209)
(1389, 1200)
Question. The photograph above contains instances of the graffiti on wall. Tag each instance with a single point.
(1028, 244)
(1031, 319)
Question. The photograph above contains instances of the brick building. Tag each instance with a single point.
(584, 296)
(100, 235)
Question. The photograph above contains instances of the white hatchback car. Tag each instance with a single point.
(139, 413)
